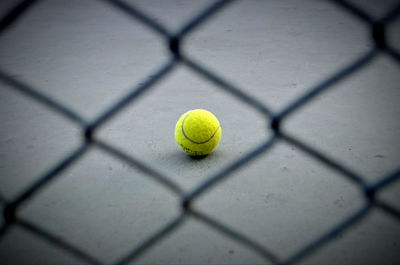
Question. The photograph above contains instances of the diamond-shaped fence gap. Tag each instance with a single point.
(356, 122)
(56, 241)
(171, 14)
(274, 50)
(85, 54)
(378, 235)
(197, 243)
(22, 247)
(289, 179)
(32, 139)
(146, 129)
(102, 207)
(378, 25)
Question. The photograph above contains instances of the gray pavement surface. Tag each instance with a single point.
(87, 55)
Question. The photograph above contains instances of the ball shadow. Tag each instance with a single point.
(198, 157)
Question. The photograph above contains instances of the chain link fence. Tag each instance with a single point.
(173, 41)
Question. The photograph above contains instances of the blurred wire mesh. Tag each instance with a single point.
(173, 40)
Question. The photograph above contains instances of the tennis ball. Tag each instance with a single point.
(198, 132)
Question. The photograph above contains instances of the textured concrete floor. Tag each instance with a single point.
(88, 55)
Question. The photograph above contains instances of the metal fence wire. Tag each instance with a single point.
(173, 41)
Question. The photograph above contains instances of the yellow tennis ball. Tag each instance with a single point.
(198, 132)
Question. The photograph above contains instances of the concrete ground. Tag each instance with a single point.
(87, 55)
